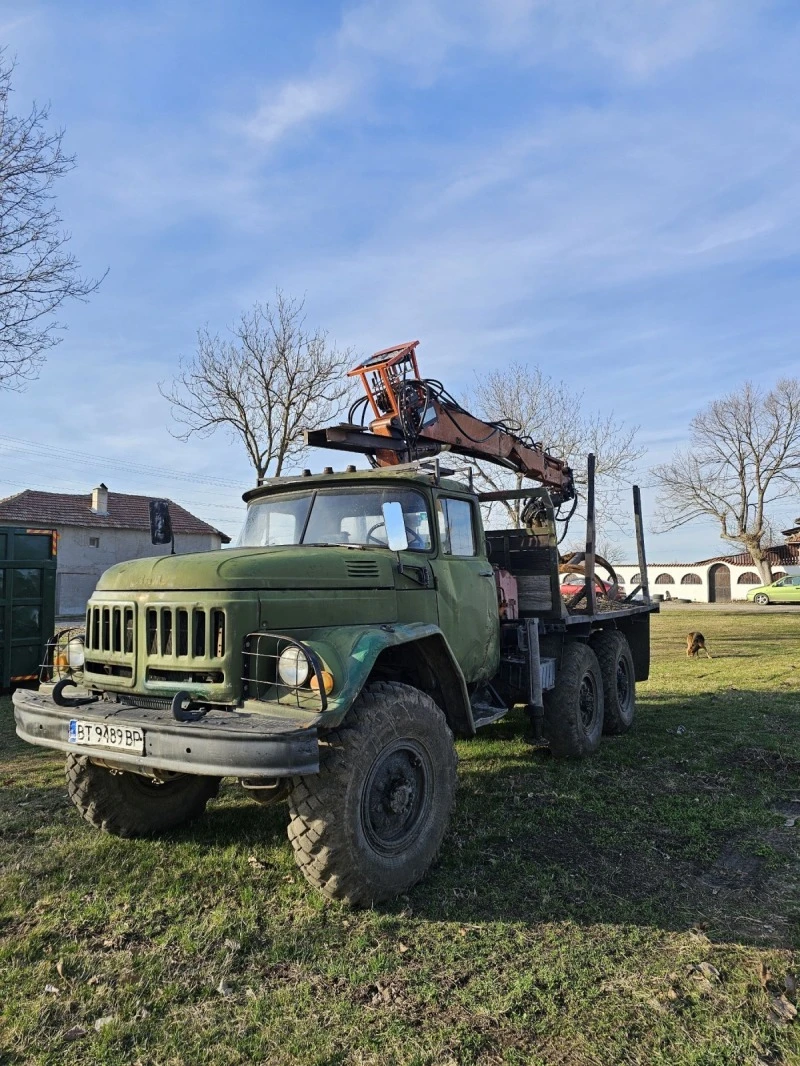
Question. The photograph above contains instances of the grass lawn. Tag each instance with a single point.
(639, 907)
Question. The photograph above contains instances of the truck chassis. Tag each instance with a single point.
(370, 785)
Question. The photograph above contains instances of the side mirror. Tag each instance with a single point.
(161, 523)
(395, 523)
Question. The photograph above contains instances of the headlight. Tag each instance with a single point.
(76, 656)
(293, 666)
(68, 655)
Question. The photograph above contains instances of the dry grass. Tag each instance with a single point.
(641, 907)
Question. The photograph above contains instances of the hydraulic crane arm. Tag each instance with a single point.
(414, 418)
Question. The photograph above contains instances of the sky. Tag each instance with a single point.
(608, 191)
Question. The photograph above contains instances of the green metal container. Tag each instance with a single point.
(27, 601)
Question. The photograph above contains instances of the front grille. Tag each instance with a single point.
(174, 644)
(184, 633)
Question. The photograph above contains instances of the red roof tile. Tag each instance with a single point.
(787, 554)
(124, 512)
(783, 554)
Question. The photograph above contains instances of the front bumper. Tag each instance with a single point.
(222, 744)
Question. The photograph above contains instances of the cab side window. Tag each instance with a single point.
(456, 527)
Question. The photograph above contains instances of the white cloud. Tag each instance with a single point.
(417, 40)
(299, 102)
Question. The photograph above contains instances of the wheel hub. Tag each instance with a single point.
(588, 703)
(401, 798)
(396, 795)
(623, 684)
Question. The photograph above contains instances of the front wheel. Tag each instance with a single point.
(761, 599)
(131, 805)
(574, 709)
(369, 825)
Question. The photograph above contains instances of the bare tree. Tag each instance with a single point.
(743, 456)
(555, 415)
(37, 273)
(266, 383)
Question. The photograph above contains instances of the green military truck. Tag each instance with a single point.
(364, 619)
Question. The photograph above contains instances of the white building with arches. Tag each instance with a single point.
(718, 580)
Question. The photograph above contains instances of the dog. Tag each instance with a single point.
(694, 643)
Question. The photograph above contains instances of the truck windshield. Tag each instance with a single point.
(328, 516)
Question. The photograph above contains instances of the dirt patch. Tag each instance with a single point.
(735, 870)
(647, 872)
(763, 759)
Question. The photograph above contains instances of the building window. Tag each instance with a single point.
(636, 579)
(691, 579)
(665, 579)
(749, 578)
(776, 574)
(94, 542)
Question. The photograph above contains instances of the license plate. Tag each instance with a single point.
(105, 735)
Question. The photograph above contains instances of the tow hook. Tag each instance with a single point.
(62, 701)
(182, 708)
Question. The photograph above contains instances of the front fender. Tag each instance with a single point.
(353, 653)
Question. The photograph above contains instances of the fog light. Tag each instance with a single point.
(293, 666)
(327, 682)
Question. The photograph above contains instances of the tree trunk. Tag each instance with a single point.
(760, 559)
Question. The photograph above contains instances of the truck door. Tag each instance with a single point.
(467, 598)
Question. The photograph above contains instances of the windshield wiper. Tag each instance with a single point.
(334, 544)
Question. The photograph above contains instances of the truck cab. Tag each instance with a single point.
(313, 565)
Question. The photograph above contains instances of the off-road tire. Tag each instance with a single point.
(130, 805)
(390, 766)
(574, 728)
(619, 685)
(761, 599)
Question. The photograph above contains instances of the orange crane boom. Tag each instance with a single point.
(415, 418)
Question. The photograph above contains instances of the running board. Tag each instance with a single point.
(485, 714)
(487, 707)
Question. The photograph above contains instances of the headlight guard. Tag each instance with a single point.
(276, 668)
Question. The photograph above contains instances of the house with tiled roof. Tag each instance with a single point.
(96, 530)
(717, 580)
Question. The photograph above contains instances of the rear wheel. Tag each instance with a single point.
(573, 710)
(619, 686)
(762, 599)
(368, 826)
(131, 805)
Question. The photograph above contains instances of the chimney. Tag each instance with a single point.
(100, 499)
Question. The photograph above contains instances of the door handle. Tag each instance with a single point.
(486, 573)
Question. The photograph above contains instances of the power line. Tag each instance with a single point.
(210, 511)
(51, 451)
(210, 502)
